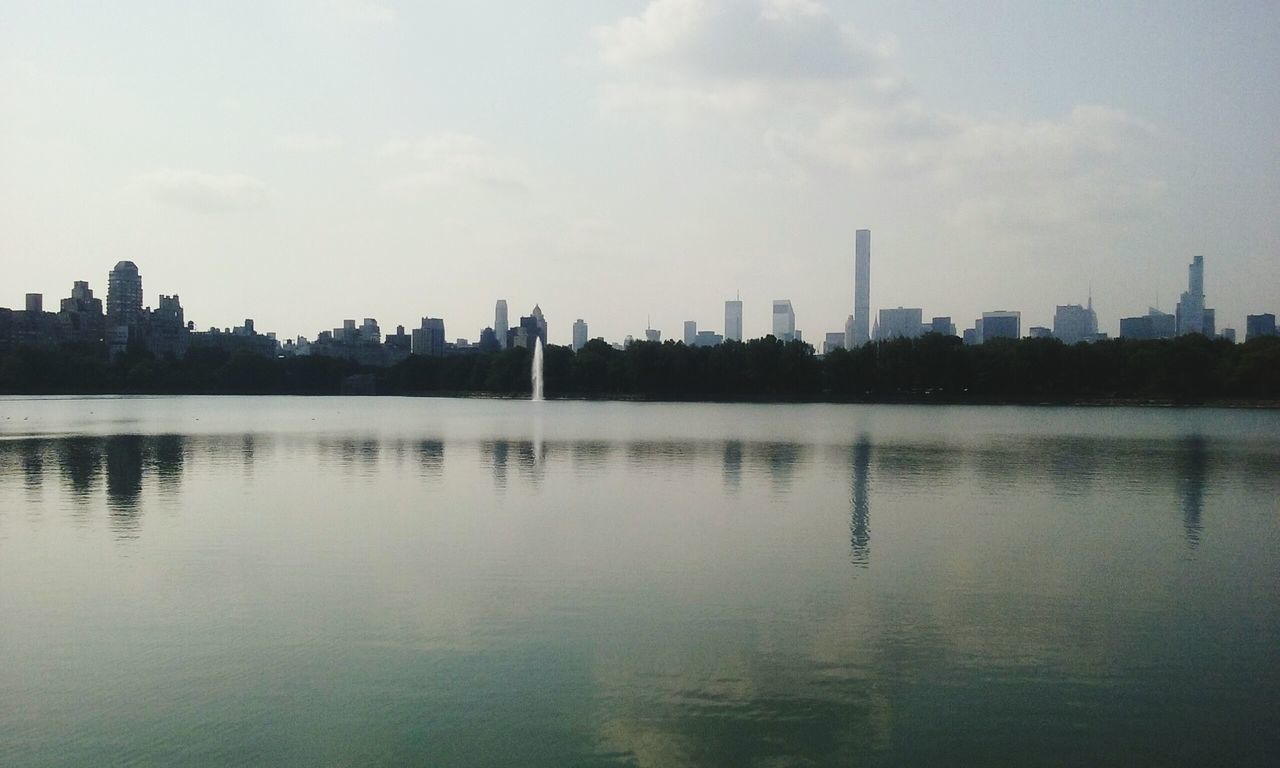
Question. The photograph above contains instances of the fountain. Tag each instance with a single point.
(537, 370)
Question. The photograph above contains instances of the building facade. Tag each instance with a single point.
(1191, 315)
(784, 320)
(899, 323)
(500, 324)
(1001, 324)
(861, 289)
(428, 339)
(579, 334)
(1257, 326)
(733, 320)
(1073, 323)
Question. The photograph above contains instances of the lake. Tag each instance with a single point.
(346, 581)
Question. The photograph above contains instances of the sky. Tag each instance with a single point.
(628, 162)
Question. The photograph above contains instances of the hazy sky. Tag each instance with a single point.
(301, 162)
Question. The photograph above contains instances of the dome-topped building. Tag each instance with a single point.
(124, 295)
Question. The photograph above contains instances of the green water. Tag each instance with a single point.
(342, 582)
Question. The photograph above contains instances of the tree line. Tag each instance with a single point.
(932, 368)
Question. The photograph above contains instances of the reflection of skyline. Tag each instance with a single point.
(732, 465)
(495, 452)
(431, 457)
(1193, 465)
(860, 516)
(123, 461)
(1066, 466)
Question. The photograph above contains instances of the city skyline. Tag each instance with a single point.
(125, 302)
(632, 159)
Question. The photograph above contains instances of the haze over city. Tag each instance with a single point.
(301, 163)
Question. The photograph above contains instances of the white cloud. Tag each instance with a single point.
(453, 160)
(202, 192)
(772, 39)
(818, 100)
(308, 142)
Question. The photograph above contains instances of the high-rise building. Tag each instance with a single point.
(861, 289)
(733, 320)
(1257, 326)
(1191, 314)
(690, 332)
(536, 314)
(832, 342)
(500, 324)
(35, 302)
(1000, 324)
(399, 343)
(784, 320)
(707, 339)
(579, 334)
(900, 323)
(1073, 323)
(942, 326)
(428, 340)
(531, 328)
(81, 315)
(652, 334)
(124, 295)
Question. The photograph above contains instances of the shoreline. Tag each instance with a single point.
(1103, 402)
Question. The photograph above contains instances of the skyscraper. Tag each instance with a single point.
(124, 295)
(1191, 313)
(861, 289)
(733, 320)
(1257, 326)
(900, 323)
(536, 314)
(429, 339)
(500, 324)
(690, 332)
(1073, 323)
(784, 320)
(579, 334)
(1000, 324)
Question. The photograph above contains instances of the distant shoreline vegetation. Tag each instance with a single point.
(930, 369)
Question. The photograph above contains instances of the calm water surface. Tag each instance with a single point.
(340, 582)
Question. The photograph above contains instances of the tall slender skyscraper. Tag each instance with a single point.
(500, 324)
(1191, 311)
(861, 289)
(733, 320)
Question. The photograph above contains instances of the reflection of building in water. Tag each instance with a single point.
(590, 456)
(860, 519)
(167, 458)
(496, 453)
(530, 457)
(732, 464)
(781, 458)
(124, 482)
(80, 462)
(431, 457)
(32, 463)
(1193, 461)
